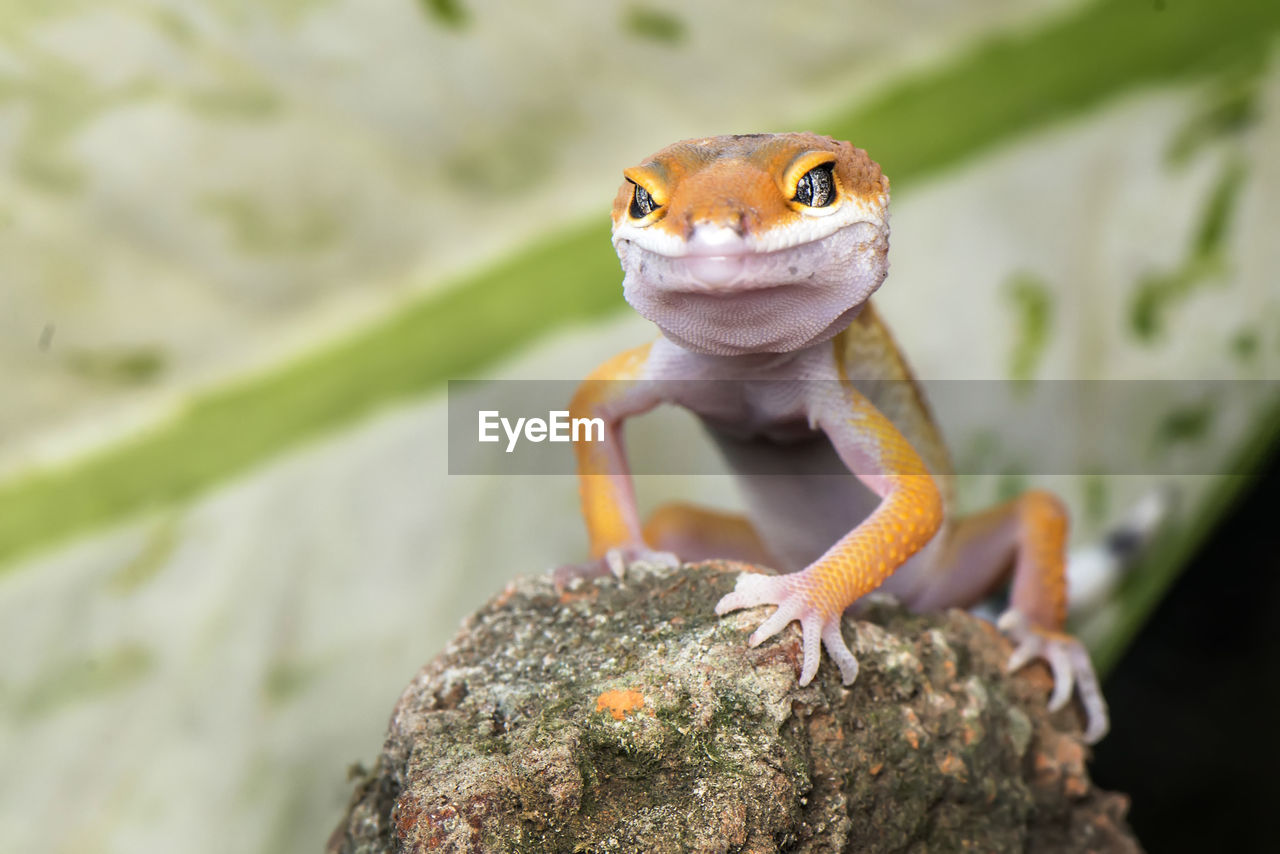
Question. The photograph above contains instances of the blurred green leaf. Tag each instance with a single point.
(654, 24)
(1032, 303)
(451, 13)
(126, 367)
(916, 128)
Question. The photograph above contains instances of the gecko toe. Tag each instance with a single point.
(833, 640)
(1022, 654)
(1063, 680)
(1095, 706)
(616, 562)
(1071, 667)
(776, 622)
(731, 602)
(620, 558)
(818, 627)
(666, 560)
(750, 590)
(811, 629)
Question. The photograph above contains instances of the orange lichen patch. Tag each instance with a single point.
(952, 765)
(826, 730)
(876, 769)
(1076, 787)
(620, 703)
(584, 592)
(913, 732)
(413, 822)
(405, 816)
(1069, 755)
(1062, 766)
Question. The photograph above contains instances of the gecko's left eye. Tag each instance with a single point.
(642, 203)
(817, 188)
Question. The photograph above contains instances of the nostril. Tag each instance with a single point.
(734, 222)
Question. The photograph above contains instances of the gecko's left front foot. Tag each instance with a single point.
(794, 596)
(618, 559)
(1068, 660)
(614, 562)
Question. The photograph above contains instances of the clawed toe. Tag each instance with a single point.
(818, 629)
(833, 640)
(751, 589)
(564, 576)
(776, 622)
(1070, 664)
(615, 562)
(618, 559)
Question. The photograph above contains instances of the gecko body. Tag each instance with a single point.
(757, 256)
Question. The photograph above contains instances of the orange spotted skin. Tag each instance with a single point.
(756, 255)
(747, 178)
(1031, 532)
(910, 515)
(608, 505)
(1041, 593)
(868, 349)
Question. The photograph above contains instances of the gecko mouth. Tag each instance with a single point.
(732, 272)
(715, 271)
(730, 298)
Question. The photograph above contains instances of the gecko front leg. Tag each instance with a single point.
(910, 513)
(613, 392)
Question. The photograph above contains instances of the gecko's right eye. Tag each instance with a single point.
(816, 188)
(642, 203)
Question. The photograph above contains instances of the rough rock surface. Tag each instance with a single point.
(625, 716)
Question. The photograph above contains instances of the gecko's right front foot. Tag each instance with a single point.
(793, 594)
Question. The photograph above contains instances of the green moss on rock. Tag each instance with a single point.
(625, 716)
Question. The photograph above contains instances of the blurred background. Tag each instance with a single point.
(245, 243)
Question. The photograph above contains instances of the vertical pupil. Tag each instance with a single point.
(642, 203)
(814, 189)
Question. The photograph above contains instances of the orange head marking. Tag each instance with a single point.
(793, 227)
(752, 184)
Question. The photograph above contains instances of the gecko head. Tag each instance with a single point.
(755, 243)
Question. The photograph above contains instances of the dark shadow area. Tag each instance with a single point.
(1195, 701)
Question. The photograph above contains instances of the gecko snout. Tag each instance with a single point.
(711, 238)
(716, 253)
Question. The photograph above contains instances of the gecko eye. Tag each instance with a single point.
(817, 188)
(642, 204)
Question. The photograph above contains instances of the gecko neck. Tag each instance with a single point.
(758, 362)
(801, 362)
(766, 358)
